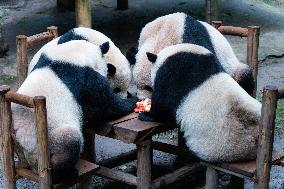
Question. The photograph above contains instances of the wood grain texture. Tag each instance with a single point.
(7, 151)
(20, 99)
(252, 52)
(83, 13)
(144, 164)
(44, 169)
(22, 58)
(266, 137)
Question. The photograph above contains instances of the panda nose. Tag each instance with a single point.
(246, 81)
(129, 95)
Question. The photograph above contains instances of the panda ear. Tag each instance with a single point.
(104, 47)
(151, 57)
(131, 55)
(111, 69)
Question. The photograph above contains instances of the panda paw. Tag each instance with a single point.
(146, 116)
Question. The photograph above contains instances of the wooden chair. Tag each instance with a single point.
(256, 170)
(12, 173)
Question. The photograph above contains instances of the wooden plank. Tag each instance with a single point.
(144, 164)
(44, 169)
(169, 148)
(217, 24)
(20, 99)
(83, 13)
(119, 160)
(38, 38)
(124, 118)
(235, 31)
(134, 130)
(26, 173)
(116, 175)
(7, 150)
(22, 58)
(266, 136)
(176, 175)
(252, 52)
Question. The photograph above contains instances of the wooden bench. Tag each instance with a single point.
(256, 170)
(12, 173)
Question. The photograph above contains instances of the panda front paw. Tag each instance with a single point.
(146, 116)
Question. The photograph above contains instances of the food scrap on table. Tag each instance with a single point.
(143, 106)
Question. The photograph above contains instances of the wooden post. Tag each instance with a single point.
(211, 179)
(144, 163)
(53, 30)
(83, 13)
(266, 137)
(6, 140)
(211, 10)
(22, 58)
(122, 4)
(217, 24)
(44, 171)
(252, 52)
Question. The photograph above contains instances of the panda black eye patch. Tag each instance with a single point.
(117, 90)
(148, 88)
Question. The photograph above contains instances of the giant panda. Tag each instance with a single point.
(180, 28)
(73, 78)
(218, 118)
(119, 81)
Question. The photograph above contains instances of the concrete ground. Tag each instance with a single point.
(123, 28)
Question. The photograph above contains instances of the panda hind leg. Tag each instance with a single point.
(65, 146)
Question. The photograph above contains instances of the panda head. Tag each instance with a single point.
(119, 72)
(157, 60)
(142, 70)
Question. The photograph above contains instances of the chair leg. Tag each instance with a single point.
(211, 178)
(144, 163)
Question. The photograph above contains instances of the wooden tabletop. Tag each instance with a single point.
(130, 129)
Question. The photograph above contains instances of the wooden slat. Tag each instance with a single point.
(20, 99)
(134, 130)
(85, 169)
(38, 38)
(26, 173)
(120, 159)
(116, 175)
(235, 31)
(169, 148)
(176, 175)
(245, 169)
(6, 141)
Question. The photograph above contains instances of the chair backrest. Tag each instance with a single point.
(39, 104)
(252, 34)
(23, 43)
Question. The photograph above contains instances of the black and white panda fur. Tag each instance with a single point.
(219, 119)
(73, 78)
(121, 80)
(180, 28)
